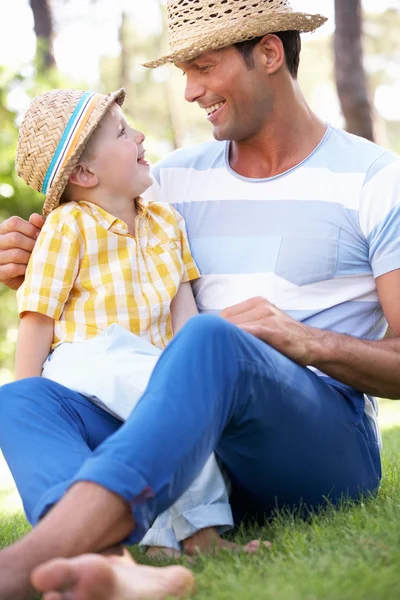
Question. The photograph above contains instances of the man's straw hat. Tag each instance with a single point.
(53, 135)
(195, 26)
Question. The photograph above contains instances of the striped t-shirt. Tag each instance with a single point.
(311, 240)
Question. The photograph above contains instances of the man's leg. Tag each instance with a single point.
(285, 435)
(217, 387)
(46, 433)
(192, 523)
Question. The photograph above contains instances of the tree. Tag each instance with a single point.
(43, 25)
(349, 70)
(174, 116)
(124, 57)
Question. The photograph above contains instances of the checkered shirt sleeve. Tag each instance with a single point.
(51, 272)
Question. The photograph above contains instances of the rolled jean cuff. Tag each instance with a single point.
(213, 515)
(164, 538)
(126, 483)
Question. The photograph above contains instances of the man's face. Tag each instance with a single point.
(236, 100)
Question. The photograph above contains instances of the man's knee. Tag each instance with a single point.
(204, 328)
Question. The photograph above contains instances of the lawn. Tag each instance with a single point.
(347, 554)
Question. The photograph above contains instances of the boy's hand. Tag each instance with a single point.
(17, 239)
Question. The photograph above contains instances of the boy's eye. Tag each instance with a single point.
(123, 131)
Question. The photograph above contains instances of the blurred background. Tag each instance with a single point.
(350, 74)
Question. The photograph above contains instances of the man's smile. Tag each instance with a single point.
(213, 109)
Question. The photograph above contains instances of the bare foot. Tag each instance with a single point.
(92, 577)
(208, 541)
(162, 553)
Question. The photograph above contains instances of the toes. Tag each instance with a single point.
(180, 581)
(252, 546)
(56, 574)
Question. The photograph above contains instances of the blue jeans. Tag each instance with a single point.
(286, 436)
(113, 370)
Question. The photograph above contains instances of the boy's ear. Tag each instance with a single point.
(83, 176)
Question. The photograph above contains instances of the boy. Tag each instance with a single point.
(109, 279)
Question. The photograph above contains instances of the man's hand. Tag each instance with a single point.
(17, 239)
(265, 321)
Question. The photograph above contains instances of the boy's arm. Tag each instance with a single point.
(183, 307)
(35, 336)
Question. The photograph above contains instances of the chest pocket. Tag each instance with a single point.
(308, 252)
(165, 247)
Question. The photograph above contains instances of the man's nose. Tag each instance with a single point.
(194, 90)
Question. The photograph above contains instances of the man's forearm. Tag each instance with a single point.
(373, 367)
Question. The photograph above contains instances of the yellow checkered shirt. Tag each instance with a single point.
(87, 272)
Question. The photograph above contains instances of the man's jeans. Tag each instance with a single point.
(286, 436)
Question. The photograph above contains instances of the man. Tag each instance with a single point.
(292, 222)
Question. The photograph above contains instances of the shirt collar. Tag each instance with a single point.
(107, 220)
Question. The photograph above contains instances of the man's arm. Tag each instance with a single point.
(35, 336)
(17, 239)
(371, 367)
(183, 307)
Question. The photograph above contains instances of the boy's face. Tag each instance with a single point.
(115, 153)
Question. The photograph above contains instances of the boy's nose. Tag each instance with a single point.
(139, 137)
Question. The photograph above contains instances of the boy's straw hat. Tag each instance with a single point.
(195, 26)
(53, 135)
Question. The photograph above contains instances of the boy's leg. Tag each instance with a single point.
(205, 504)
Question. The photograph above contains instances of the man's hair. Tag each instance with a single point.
(291, 41)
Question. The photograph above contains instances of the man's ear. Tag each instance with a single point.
(272, 51)
(83, 176)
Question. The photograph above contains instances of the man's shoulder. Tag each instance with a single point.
(207, 155)
(348, 153)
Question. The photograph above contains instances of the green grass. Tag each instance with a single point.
(347, 554)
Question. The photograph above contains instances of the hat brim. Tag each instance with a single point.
(60, 182)
(233, 33)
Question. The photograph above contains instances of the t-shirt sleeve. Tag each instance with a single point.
(50, 274)
(380, 214)
(191, 270)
